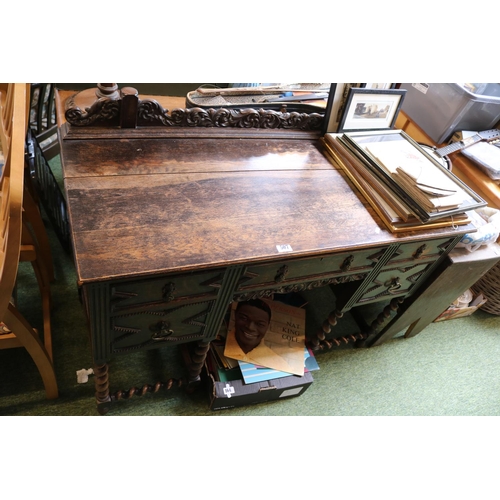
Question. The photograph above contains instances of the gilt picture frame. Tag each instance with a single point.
(371, 109)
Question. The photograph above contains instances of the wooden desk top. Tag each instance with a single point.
(144, 206)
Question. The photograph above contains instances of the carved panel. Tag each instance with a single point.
(152, 113)
(106, 111)
(297, 287)
(103, 110)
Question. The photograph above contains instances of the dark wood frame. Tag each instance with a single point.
(354, 92)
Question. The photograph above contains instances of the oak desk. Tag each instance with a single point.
(168, 230)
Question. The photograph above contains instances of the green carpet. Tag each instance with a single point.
(451, 368)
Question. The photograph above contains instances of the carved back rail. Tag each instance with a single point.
(123, 108)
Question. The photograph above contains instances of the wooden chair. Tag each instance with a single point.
(31, 205)
(16, 239)
(30, 200)
(35, 245)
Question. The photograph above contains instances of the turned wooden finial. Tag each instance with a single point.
(109, 90)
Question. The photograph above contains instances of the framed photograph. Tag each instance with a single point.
(336, 104)
(371, 109)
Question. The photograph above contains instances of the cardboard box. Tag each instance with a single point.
(460, 312)
(234, 393)
(232, 383)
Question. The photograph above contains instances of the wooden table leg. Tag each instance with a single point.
(103, 399)
(194, 361)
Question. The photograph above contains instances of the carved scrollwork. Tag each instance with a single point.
(261, 294)
(150, 112)
(299, 287)
(102, 110)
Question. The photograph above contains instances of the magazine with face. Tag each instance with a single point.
(267, 333)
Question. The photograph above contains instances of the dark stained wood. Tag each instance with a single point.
(177, 155)
(459, 271)
(147, 210)
(194, 123)
(178, 205)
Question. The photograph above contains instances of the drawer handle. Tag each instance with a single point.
(393, 285)
(419, 251)
(163, 333)
(168, 292)
(281, 274)
(346, 265)
(161, 330)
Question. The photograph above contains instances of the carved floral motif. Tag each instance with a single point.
(102, 110)
(151, 113)
(298, 287)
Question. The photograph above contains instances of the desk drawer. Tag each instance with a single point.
(159, 326)
(173, 309)
(139, 294)
(394, 282)
(284, 274)
(419, 251)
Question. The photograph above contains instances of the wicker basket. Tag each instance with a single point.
(489, 286)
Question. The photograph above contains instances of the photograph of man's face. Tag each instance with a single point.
(252, 320)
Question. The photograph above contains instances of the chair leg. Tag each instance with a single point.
(32, 343)
(44, 286)
(30, 251)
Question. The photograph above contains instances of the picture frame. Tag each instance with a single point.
(397, 142)
(371, 109)
(380, 86)
(336, 104)
(392, 210)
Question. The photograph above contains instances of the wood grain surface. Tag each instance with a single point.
(140, 207)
